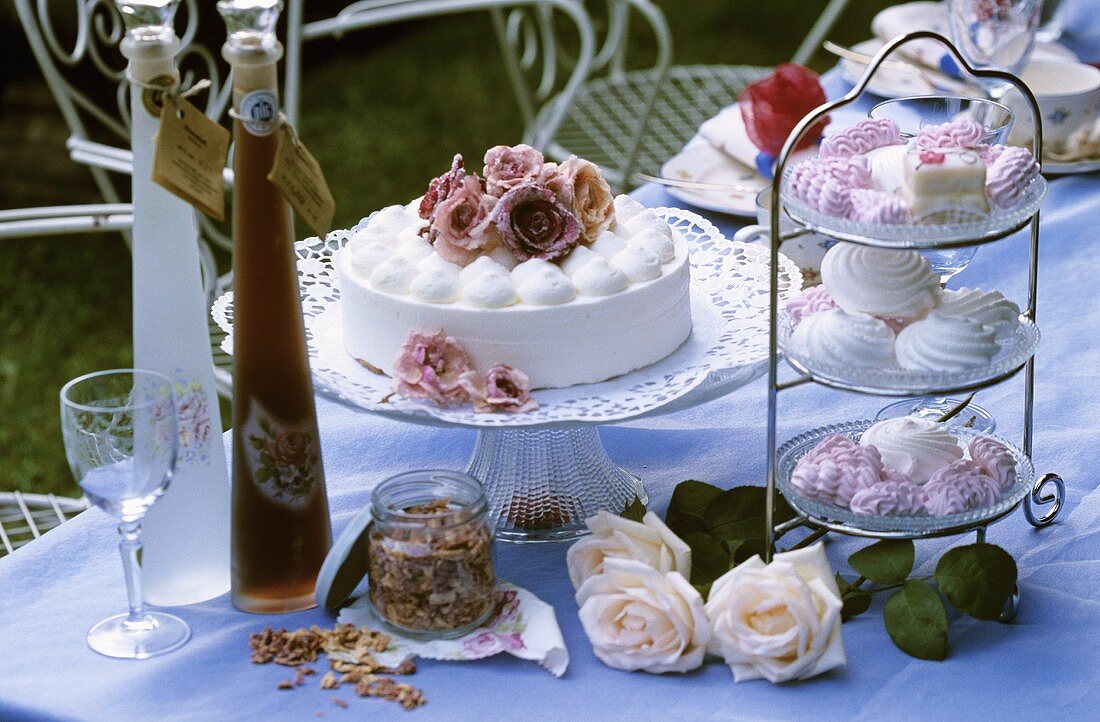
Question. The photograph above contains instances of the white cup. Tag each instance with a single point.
(1069, 99)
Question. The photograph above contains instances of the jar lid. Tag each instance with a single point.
(346, 565)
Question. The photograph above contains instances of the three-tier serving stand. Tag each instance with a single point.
(1047, 490)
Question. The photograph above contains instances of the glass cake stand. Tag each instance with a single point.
(1017, 352)
(546, 471)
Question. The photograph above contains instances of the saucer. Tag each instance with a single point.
(895, 83)
(1074, 167)
(704, 163)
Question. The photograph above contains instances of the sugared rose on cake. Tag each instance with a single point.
(529, 265)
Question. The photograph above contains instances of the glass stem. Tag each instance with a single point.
(129, 546)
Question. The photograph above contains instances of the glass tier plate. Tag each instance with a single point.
(897, 381)
(918, 525)
(728, 346)
(966, 231)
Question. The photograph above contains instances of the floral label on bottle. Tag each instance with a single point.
(258, 111)
(193, 409)
(284, 458)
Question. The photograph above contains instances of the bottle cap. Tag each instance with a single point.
(148, 20)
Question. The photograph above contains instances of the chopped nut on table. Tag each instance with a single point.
(295, 649)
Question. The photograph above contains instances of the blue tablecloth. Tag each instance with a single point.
(1046, 664)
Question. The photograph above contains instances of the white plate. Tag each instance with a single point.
(706, 164)
(1053, 167)
(894, 83)
(728, 345)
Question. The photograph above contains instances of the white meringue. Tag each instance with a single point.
(838, 338)
(366, 257)
(944, 343)
(887, 168)
(989, 308)
(599, 278)
(547, 287)
(639, 264)
(393, 275)
(913, 446)
(882, 282)
(491, 289)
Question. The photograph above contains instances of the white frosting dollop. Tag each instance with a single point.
(386, 226)
(410, 234)
(491, 289)
(547, 287)
(989, 308)
(913, 446)
(366, 258)
(435, 285)
(658, 243)
(608, 244)
(435, 262)
(529, 268)
(945, 343)
(639, 264)
(415, 249)
(647, 220)
(880, 281)
(503, 256)
(599, 278)
(847, 339)
(577, 259)
(481, 266)
(626, 208)
(393, 275)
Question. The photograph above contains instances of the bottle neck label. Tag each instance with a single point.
(152, 95)
(259, 110)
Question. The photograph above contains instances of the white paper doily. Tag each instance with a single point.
(729, 297)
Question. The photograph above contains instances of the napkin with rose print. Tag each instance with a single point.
(522, 625)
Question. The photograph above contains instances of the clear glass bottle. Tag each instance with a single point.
(281, 530)
(431, 565)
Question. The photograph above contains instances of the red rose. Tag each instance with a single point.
(772, 107)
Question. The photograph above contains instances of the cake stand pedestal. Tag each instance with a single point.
(543, 484)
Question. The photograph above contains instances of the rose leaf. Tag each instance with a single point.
(744, 549)
(856, 601)
(738, 513)
(709, 559)
(634, 511)
(689, 501)
(885, 562)
(978, 579)
(917, 621)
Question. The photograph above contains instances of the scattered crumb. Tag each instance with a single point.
(299, 647)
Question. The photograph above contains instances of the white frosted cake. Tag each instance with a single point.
(612, 301)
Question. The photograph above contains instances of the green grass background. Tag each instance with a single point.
(382, 112)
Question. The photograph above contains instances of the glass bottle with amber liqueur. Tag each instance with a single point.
(281, 530)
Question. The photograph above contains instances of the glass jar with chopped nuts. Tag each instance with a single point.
(430, 554)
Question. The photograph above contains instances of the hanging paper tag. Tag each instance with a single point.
(190, 156)
(302, 182)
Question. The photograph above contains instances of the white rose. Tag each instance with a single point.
(640, 619)
(614, 537)
(779, 621)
